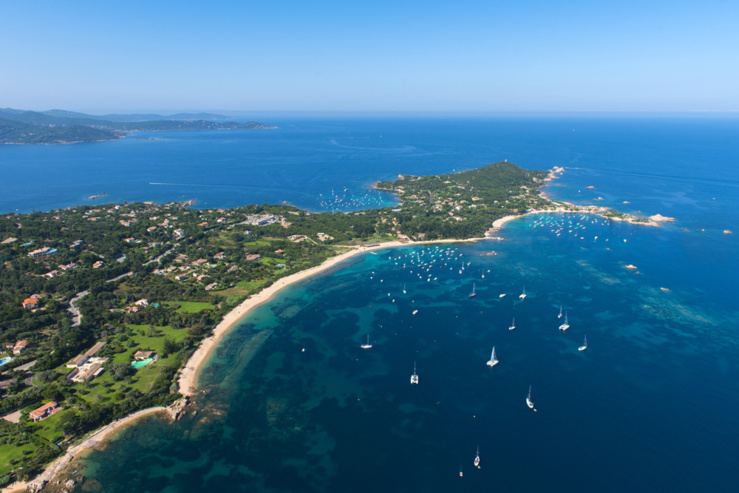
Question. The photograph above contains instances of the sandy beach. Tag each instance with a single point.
(188, 378)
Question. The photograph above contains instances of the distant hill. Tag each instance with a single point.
(137, 117)
(27, 133)
(60, 126)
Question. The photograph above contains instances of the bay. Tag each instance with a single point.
(293, 403)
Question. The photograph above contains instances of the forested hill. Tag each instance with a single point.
(465, 204)
(60, 127)
(12, 132)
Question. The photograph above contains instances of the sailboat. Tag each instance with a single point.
(584, 344)
(565, 325)
(493, 359)
(367, 345)
(529, 402)
(477, 458)
(560, 312)
(414, 377)
(523, 295)
(513, 324)
(473, 291)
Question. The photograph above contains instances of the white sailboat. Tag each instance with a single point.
(584, 344)
(493, 359)
(523, 295)
(529, 402)
(565, 325)
(513, 324)
(414, 377)
(473, 291)
(367, 345)
(560, 312)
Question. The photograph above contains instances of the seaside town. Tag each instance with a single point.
(104, 306)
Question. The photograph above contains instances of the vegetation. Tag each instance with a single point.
(64, 127)
(157, 278)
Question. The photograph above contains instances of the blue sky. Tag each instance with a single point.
(405, 56)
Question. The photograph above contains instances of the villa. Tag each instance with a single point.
(44, 411)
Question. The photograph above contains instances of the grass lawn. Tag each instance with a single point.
(13, 452)
(190, 306)
(104, 387)
(48, 428)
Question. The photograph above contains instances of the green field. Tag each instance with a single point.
(190, 306)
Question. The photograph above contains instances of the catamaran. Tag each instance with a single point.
(513, 324)
(477, 458)
(523, 295)
(565, 325)
(414, 377)
(584, 344)
(367, 345)
(473, 291)
(529, 402)
(560, 312)
(493, 359)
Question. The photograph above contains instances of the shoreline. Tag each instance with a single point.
(95, 439)
(188, 379)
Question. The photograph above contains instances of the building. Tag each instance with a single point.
(253, 256)
(98, 264)
(77, 361)
(219, 255)
(19, 347)
(44, 411)
(142, 355)
(178, 233)
(142, 302)
(30, 303)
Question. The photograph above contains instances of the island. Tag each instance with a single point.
(109, 311)
(66, 127)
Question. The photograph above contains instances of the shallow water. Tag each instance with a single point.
(294, 404)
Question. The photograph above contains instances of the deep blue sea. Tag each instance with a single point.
(294, 404)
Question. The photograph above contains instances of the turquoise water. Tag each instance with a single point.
(294, 404)
(138, 364)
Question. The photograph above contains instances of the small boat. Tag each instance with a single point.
(501, 295)
(414, 377)
(584, 344)
(461, 474)
(477, 458)
(367, 345)
(404, 289)
(560, 312)
(415, 311)
(493, 359)
(565, 325)
(473, 291)
(523, 295)
(513, 324)
(529, 402)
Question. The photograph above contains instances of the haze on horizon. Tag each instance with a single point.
(473, 56)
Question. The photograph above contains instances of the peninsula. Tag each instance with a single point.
(66, 127)
(108, 310)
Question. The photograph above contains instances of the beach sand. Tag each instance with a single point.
(188, 378)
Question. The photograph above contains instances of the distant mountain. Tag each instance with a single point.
(60, 126)
(137, 117)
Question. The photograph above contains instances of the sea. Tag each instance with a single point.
(293, 403)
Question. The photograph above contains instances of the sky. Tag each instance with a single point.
(395, 56)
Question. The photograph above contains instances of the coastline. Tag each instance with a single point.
(188, 379)
(97, 437)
